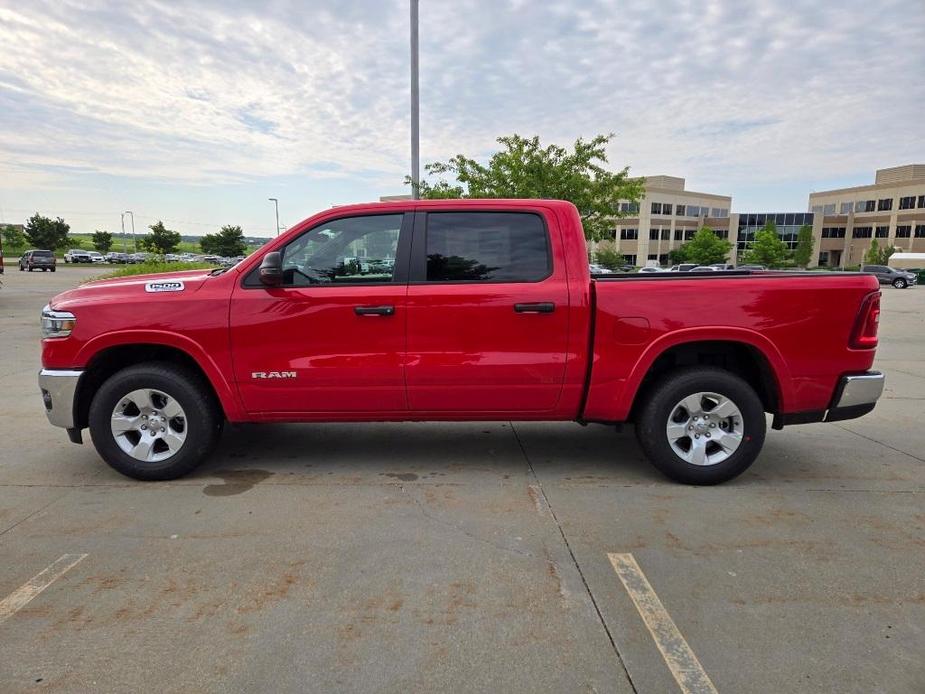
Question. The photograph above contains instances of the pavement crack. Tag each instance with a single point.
(458, 528)
(584, 581)
(886, 445)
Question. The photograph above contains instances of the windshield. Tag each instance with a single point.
(42, 254)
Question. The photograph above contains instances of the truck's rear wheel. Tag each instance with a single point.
(154, 421)
(701, 425)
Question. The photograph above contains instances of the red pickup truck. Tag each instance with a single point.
(455, 310)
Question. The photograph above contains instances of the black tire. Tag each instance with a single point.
(29, 268)
(900, 283)
(673, 387)
(52, 269)
(204, 419)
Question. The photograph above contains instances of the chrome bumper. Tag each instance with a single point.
(58, 389)
(854, 391)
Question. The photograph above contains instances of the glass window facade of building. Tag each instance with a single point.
(833, 232)
(920, 231)
(907, 203)
(882, 232)
(862, 232)
(629, 234)
(846, 207)
(788, 227)
(903, 231)
(885, 204)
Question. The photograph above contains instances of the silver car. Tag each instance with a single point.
(889, 275)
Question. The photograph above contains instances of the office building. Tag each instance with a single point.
(666, 217)
(892, 210)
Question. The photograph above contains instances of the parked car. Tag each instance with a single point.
(596, 269)
(490, 313)
(705, 268)
(117, 258)
(888, 275)
(96, 257)
(76, 255)
(37, 260)
(139, 257)
(650, 269)
(723, 266)
(752, 267)
(683, 267)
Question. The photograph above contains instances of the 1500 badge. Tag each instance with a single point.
(171, 286)
(273, 374)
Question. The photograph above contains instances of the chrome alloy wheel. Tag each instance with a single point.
(705, 428)
(149, 425)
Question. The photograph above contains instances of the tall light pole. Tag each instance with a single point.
(122, 216)
(415, 108)
(134, 241)
(276, 205)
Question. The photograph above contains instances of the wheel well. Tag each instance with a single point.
(109, 361)
(745, 361)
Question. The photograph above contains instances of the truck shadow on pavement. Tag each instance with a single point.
(393, 453)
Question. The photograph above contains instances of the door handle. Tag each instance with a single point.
(374, 310)
(541, 307)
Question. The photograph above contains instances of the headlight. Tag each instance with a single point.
(57, 323)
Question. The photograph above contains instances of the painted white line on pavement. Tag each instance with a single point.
(687, 670)
(23, 595)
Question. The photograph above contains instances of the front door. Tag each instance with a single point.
(331, 339)
(487, 314)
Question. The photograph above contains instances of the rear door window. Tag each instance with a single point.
(487, 247)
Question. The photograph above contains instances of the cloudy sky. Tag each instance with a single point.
(197, 112)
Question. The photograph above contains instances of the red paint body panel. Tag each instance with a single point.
(458, 351)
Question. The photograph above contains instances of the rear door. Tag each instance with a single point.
(487, 313)
(331, 339)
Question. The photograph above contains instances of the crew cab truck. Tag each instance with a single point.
(455, 310)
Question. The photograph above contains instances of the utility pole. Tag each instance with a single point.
(123, 231)
(134, 240)
(415, 108)
(276, 205)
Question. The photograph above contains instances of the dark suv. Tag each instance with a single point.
(42, 260)
(888, 275)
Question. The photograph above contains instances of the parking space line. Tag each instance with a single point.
(23, 595)
(684, 666)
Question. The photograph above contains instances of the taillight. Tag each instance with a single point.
(864, 335)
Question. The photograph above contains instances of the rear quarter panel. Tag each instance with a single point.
(801, 324)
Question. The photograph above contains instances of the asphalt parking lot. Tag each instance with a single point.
(463, 557)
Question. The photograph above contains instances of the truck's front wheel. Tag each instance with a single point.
(154, 421)
(701, 425)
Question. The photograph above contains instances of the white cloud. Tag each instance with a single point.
(223, 92)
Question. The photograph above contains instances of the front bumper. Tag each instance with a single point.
(59, 387)
(854, 397)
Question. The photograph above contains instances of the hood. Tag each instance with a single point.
(177, 284)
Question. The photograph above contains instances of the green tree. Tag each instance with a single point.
(878, 256)
(161, 240)
(43, 232)
(102, 241)
(229, 242)
(803, 253)
(676, 256)
(767, 248)
(13, 237)
(525, 169)
(705, 248)
(608, 256)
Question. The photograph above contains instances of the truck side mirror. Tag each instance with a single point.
(271, 269)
